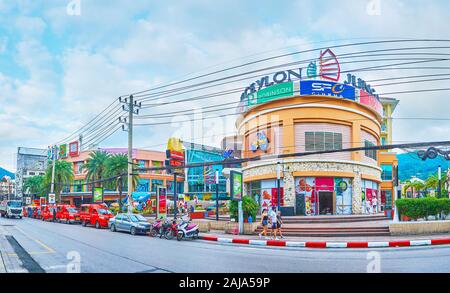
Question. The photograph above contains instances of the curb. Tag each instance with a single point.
(324, 244)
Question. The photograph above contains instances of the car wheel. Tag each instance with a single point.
(133, 231)
(113, 228)
(83, 223)
(97, 225)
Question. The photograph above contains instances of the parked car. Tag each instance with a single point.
(95, 214)
(132, 223)
(36, 214)
(48, 213)
(67, 214)
(11, 209)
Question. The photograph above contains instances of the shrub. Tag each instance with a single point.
(249, 206)
(416, 208)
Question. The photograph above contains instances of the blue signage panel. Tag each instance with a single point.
(327, 88)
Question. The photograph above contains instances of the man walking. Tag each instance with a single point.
(273, 221)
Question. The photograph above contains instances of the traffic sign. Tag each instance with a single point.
(51, 198)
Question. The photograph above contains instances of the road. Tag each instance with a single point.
(57, 247)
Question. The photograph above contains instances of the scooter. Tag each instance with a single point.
(157, 228)
(187, 230)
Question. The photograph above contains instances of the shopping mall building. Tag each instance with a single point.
(286, 113)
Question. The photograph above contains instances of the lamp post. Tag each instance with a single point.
(439, 181)
(216, 179)
(278, 184)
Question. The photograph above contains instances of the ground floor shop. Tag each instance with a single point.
(318, 188)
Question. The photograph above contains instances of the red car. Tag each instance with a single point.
(67, 214)
(47, 212)
(97, 215)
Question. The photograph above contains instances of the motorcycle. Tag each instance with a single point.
(156, 228)
(187, 230)
(171, 230)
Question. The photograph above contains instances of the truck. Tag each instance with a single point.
(67, 214)
(11, 209)
(97, 215)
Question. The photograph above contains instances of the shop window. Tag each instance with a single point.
(386, 172)
(370, 153)
(142, 164)
(322, 141)
(156, 183)
(157, 164)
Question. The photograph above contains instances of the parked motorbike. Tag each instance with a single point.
(171, 230)
(187, 230)
(156, 228)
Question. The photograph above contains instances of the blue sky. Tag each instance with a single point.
(57, 71)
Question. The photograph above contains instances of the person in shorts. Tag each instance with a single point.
(264, 223)
(273, 222)
(279, 224)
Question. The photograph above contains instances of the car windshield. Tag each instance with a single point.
(14, 204)
(138, 218)
(104, 212)
(71, 210)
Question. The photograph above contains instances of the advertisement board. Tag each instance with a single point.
(42, 201)
(327, 88)
(161, 202)
(371, 102)
(51, 198)
(236, 183)
(27, 200)
(98, 194)
(73, 149)
(271, 93)
(63, 151)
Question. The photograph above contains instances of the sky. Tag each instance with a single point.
(63, 61)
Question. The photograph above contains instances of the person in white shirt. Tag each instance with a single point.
(273, 221)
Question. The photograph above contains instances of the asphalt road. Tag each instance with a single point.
(61, 248)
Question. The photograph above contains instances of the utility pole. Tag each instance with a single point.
(129, 105)
(278, 185)
(54, 154)
(216, 179)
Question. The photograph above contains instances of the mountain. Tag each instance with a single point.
(4, 172)
(409, 164)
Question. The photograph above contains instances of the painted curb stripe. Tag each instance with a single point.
(316, 244)
(440, 241)
(295, 244)
(399, 243)
(209, 238)
(420, 242)
(323, 244)
(224, 240)
(240, 241)
(378, 244)
(336, 244)
(258, 242)
(356, 244)
(276, 243)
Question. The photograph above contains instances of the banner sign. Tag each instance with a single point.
(98, 194)
(73, 149)
(63, 151)
(27, 200)
(327, 88)
(42, 201)
(236, 184)
(161, 202)
(175, 155)
(274, 92)
(51, 198)
(371, 102)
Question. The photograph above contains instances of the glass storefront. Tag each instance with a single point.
(370, 197)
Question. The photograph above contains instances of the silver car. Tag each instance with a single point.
(132, 223)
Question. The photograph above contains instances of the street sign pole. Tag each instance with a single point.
(240, 218)
(175, 207)
(216, 179)
(278, 184)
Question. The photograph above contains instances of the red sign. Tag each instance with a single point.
(175, 163)
(73, 149)
(275, 196)
(42, 201)
(324, 184)
(329, 66)
(371, 102)
(174, 155)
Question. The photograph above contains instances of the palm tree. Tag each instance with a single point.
(63, 175)
(406, 186)
(96, 166)
(117, 166)
(432, 182)
(418, 186)
(35, 185)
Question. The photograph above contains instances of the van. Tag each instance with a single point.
(97, 215)
(11, 209)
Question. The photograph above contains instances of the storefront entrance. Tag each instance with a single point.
(326, 202)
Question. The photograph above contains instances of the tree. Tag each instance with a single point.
(96, 166)
(35, 185)
(117, 166)
(406, 186)
(63, 176)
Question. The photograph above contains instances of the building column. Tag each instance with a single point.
(288, 136)
(288, 188)
(356, 194)
(356, 140)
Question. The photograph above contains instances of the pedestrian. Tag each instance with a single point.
(273, 222)
(374, 205)
(279, 224)
(264, 223)
(54, 214)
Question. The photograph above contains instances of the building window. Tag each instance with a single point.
(157, 164)
(79, 167)
(388, 199)
(386, 172)
(370, 153)
(156, 183)
(142, 164)
(78, 187)
(383, 127)
(322, 141)
(383, 141)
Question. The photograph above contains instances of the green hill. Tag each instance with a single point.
(409, 164)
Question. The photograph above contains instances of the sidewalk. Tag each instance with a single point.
(331, 242)
(9, 261)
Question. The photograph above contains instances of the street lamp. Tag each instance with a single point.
(278, 184)
(439, 181)
(216, 179)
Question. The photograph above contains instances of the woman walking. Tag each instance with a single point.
(264, 223)
(279, 224)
